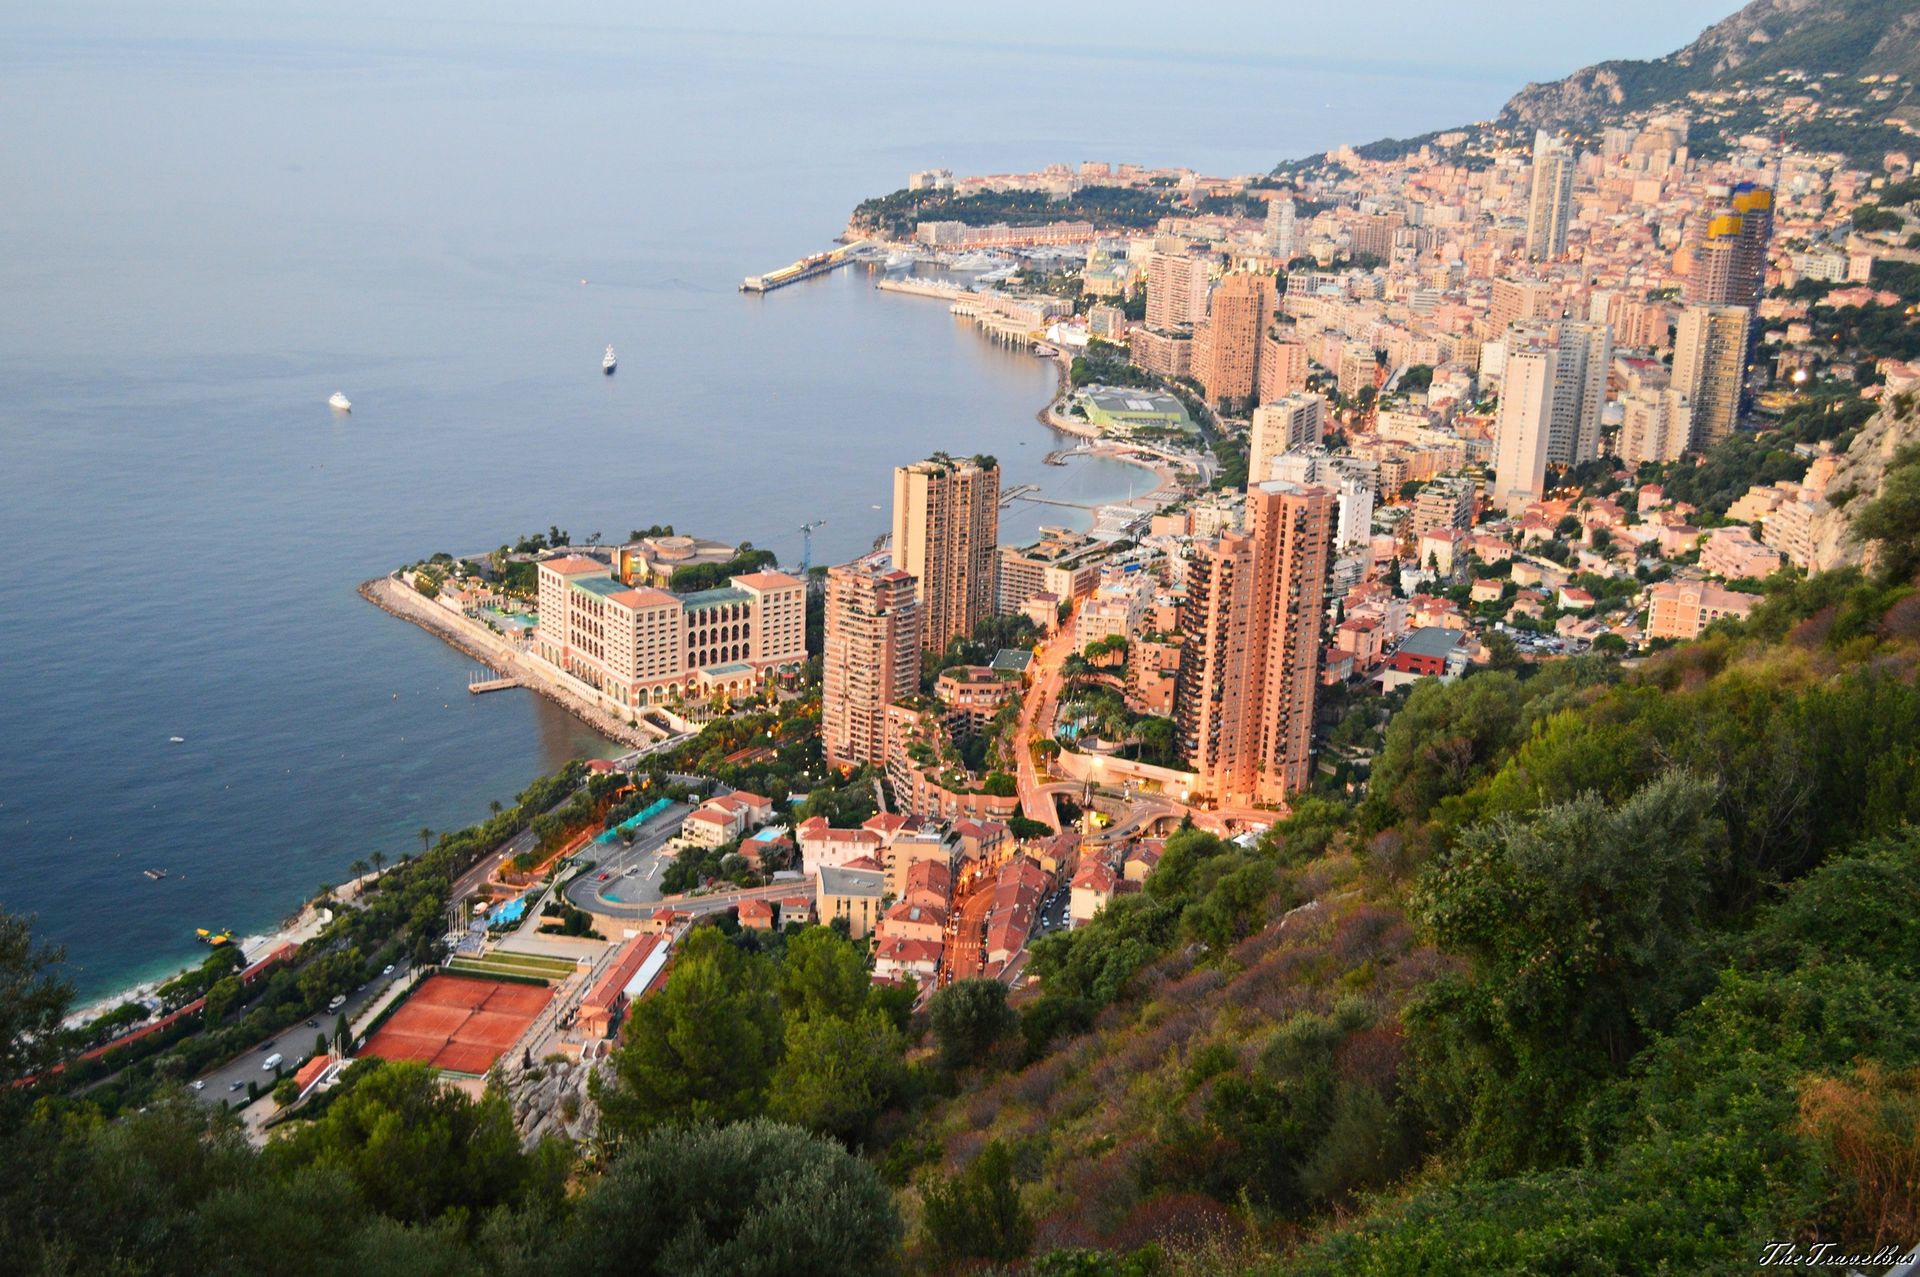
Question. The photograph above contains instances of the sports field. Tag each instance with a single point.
(538, 966)
(458, 1024)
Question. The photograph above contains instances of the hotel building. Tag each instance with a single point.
(642, 646)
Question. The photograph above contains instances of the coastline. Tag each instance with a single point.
(395, 599)
(1162, 469)
(296, 930)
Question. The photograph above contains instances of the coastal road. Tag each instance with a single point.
(626, 881)
(296, 1044)
(475, 879)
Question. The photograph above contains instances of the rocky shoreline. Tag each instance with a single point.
(395, 599)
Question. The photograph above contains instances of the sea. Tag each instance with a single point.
(216, 216)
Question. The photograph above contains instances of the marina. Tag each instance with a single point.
(807, 267)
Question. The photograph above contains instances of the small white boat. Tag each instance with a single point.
(340, 401)
(176, 740)
(609, 363)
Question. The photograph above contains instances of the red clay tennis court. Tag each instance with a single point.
(458, 1023)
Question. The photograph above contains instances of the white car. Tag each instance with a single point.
(388, 970)
(199, 1084)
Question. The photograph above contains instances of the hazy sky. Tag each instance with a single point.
(1523, 38)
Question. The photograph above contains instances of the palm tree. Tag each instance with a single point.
(358, 868)
(379, 859)
(494, 807)
(426, 837)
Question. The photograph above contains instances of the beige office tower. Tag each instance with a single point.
(1709, 367)
(1226, 349)
(1280, 232)
(1586, 350)
(1442, 505)
(1657, 425)
(1176, 290)
(1292, 422)
(1550, 207)
(1714, 278)
(872, 657)
(1359, 369)
(1283, 365)
(1582, 353)
(1521, 426)
(1372, 235)
(946, 519)
(1250, 652)
(1515, 300)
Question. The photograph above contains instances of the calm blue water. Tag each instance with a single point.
(215, 219)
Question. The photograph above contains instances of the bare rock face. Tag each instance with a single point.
(543, 1096)
(1858, 479)
(1847, 36)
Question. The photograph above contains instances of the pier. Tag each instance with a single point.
(806, 268)
(1011, 495)
(1031, 492)
(487, 681)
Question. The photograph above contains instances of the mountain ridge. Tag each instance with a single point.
(1848, 37)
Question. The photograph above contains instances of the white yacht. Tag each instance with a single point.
(609, 363)
(340, 401)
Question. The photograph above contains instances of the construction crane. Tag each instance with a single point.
(806, 545)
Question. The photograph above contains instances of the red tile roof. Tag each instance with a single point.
(905, 950)
(310, 1072)
(766, 580)
(574, 565)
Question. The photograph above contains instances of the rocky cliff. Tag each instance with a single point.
(1861, 474)
(1851, 37)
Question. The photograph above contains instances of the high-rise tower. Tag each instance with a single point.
(946, 520)
(1550, 206)
(872, 657)
(1709, 367)
(1250, 659)
(1521, 426)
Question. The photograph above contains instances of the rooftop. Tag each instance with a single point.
(847, 881)
(574, 565)
(714, 597)
(766, 580)
(1012, 660)
(1431, 640)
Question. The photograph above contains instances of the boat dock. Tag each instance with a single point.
(806, 268)
(487, 681)
(922, 288)
(1031, 492)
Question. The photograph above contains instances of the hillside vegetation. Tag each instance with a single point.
(1613, 971)
(1849, 37)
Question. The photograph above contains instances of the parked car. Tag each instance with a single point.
(199, 1084)
(336, 1002)
(388, 969)
(272, 1062)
